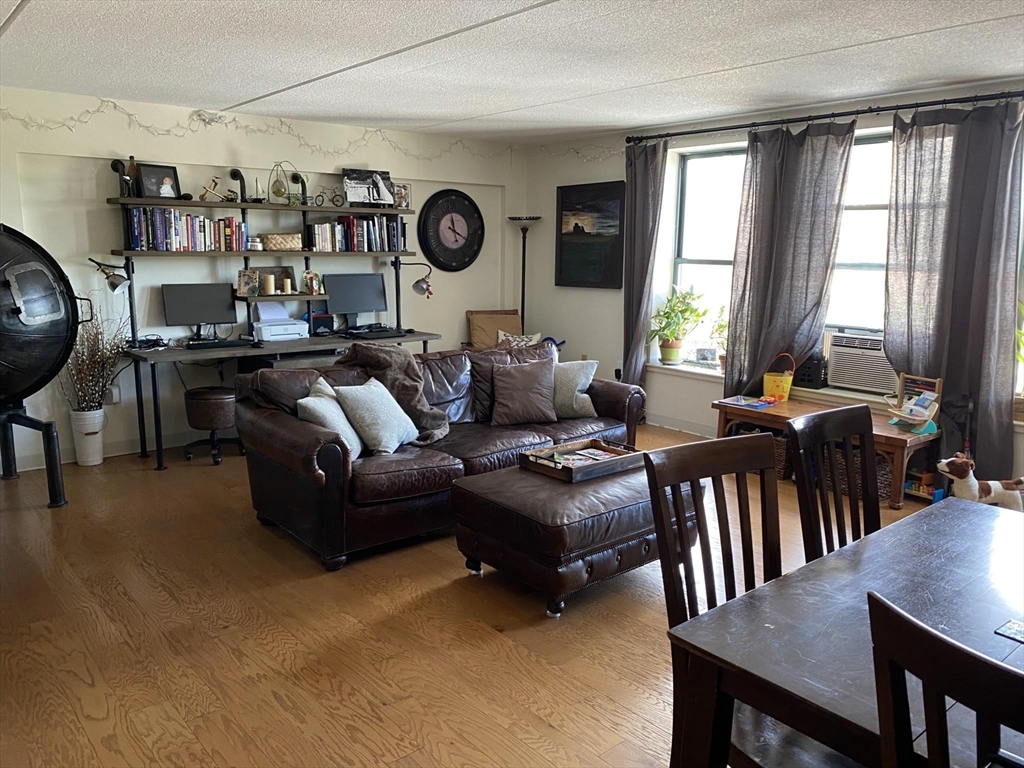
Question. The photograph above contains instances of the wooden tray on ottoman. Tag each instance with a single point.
(544, 460)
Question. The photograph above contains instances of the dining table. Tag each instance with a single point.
(798, 649)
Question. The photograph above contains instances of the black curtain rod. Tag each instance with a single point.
(829, 116)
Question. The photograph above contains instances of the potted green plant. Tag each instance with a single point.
(720, 335)
(673, 320)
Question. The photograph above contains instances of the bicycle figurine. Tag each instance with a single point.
(329, 193)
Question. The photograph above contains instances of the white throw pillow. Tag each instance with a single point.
(518, 341)
(321, 407)
(572, 380)
(377, 416)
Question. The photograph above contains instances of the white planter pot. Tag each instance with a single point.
(87, 429)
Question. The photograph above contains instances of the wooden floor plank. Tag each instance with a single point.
(140, 627)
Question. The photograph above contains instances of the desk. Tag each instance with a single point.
(273, 349)
(799, 648)
(895, 444)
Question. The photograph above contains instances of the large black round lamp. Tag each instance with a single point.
(38, 329)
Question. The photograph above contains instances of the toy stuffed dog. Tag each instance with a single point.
(1004, 493)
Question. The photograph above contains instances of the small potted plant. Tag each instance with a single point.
(90, 370)
(676, 318)
(720, 335)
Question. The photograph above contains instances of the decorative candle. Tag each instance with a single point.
(287, 284)
(268, 285)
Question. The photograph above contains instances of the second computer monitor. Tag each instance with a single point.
(349, 295)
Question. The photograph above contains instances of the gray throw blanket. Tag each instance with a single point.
(397, 369)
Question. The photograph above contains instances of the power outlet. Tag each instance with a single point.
(113, 395)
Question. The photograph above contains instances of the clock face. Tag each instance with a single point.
(451, 230)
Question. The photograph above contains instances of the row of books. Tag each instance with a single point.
(168, 229)
(365, 234)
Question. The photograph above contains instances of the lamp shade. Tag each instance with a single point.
(117, 284)
(422, 287)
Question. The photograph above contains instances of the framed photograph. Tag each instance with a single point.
(248, 283)
(366, 187)
(158, 181)
(403, 195)
(588, 244)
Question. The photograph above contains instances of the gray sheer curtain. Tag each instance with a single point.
(793, 189)
(951, 273)
(645, 182)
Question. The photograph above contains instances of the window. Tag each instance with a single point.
(710, 187)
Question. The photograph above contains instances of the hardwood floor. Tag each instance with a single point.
(153, 621)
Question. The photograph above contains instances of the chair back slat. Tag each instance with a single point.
(668, 471)
(746, 536)
(818, 454)
(816, 465)
(851, 487)
(837, 492)
(725, 535)
(705, 551)
(902, 646)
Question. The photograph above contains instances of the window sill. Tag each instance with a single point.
(687, 371)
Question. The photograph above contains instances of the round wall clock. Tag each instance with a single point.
(451, 230)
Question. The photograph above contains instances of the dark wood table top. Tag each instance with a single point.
(778, 414)
(958, 566)
(270, 348)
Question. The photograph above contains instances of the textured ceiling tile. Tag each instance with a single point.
(213, 53)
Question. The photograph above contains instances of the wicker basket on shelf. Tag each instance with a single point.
(286, 241)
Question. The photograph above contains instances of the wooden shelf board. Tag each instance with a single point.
(283, 297)
(379, 254)
(154, 202)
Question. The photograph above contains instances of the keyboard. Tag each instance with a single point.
(384, 333)
(217, 343)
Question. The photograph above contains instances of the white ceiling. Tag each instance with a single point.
(509, 69)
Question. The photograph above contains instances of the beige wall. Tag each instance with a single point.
(53, 184)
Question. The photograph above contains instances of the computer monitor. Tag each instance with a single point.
(349, 295)
(198, 304)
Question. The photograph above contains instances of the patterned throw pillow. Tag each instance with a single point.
(321, 407)
(377, 416)
(507, 340)
(572, 380)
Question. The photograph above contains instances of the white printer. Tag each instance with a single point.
(275, 325)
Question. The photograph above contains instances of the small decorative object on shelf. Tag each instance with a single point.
(276, 277)
(157, 181)
(248, 282)
(367, 187)
(329, 195)
(253, 243)
(211, 189)
(403, 195)
(312, 284)
(286, 241)
(277, 184)
(133, 178)
(267, 286)
(260, 196)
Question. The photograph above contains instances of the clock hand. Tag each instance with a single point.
(457, 233)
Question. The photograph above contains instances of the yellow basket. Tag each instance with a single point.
(778, 384)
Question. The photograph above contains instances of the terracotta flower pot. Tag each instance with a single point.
(721, 361)
(670, 351)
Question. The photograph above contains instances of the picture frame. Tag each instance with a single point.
(158, 181)
(403, 196)
(589, 238)
(364, 186)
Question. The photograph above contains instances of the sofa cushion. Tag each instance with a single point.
(404, 474)
(482, 368)
(321, 407)
(567, 430)
(447, 384)
(523, 393)
(483, 448)
(572, 380)
(378, 418)
(543, 351)
(281, 389)
(345, 375)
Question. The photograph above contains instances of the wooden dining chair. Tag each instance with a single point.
(757, 739)
(992, 690)
(815, 438)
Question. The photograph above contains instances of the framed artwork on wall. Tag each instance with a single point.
(588, 243)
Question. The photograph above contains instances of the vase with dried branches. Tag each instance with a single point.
(88, 374)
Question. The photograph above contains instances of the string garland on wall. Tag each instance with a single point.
(201, 120)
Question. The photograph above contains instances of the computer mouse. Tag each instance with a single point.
(258, 345)
(410, 330)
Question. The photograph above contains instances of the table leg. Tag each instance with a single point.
(900, 457)
(707, 717)
(158, 432)
(140, 406)
(723, 424)
(680, 661)
(426, 345)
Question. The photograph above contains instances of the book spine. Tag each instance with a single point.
(157, 222)
(136, 237)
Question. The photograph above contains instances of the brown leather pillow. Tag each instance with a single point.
(524, 393)
(481, 365)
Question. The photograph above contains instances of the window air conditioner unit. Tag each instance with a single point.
(859, 362)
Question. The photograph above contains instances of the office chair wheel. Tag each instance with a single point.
(188, 457)
(217, 460)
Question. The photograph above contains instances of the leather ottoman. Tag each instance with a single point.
(557, 537)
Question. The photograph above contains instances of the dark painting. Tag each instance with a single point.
(588, 246)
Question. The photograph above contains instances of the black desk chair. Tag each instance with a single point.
(210, 409)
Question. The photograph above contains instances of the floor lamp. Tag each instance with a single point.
(524, 223)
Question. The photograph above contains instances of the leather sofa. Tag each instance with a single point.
(303, 479)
